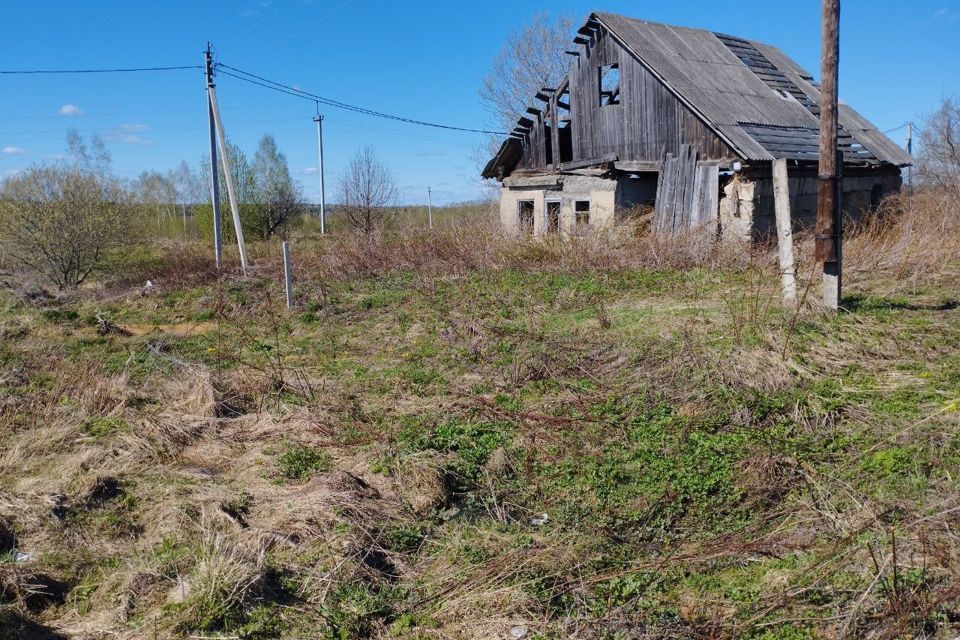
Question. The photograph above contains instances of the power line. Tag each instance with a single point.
(897, 128)
(66, 71)
(253, 78)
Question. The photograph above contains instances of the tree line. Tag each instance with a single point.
(64, 220)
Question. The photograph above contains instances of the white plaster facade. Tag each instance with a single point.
(599, 194)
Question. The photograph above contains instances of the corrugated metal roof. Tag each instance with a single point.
(704, 72)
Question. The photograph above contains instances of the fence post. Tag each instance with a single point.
(287, 276)
(781, 201)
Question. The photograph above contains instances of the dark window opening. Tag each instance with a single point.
(553, 216)
(581, 213)
(565, 126)
(609, 84)
(525, 211)
(876, 196)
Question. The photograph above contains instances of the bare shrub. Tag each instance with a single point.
(938, 163)
(62, 221)
(367, 190)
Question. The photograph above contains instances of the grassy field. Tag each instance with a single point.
(460, 435)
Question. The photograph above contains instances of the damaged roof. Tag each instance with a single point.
(752, 95)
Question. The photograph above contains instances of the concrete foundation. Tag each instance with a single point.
(747, 208)
(573, 204)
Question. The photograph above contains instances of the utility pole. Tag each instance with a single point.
(910, 152)
(323, 200)
(228, 176)
(214, 174)
(829, 234)
(429, 208)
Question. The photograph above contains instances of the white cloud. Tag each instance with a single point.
(13, 151)
(311, 171)
(126, 134)
(947, 13)
(134, 140)
(70, 110)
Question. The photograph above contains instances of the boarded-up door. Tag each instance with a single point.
(687, 193)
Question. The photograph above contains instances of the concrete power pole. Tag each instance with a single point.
(214, 174)
(228, 177)
(323, 200)
(429, 208)
(910, 152)
(829, 234)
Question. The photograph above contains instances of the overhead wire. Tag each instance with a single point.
(259, 80)
(115, 70)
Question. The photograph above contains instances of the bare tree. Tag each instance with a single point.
(367, 190)
(61, 221)
(530, 58)
(938, 163)
(156, 194)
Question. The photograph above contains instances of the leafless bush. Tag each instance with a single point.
(367, 190)
(938, 163)
(62, 221)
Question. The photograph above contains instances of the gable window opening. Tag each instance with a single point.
(525, 213)
(553, 217)
(548, 137)
(564, 125)
(609, 78)
(581, 213)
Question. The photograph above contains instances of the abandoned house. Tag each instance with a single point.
(684, 121)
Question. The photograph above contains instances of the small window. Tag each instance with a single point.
(553, 216)
(609, 84)
(581, 213)
(525, 213)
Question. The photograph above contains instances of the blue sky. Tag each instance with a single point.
(423, 60)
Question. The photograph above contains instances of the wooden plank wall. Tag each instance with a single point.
(687, 193)
(648, 121)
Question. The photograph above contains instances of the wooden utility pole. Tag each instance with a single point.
(214, 174)
(828, 231)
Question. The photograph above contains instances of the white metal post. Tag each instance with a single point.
(287, 276)
(429, 208)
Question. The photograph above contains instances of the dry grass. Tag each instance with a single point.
(142, 471)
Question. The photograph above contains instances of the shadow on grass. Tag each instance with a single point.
(14, 626)
(867, 304)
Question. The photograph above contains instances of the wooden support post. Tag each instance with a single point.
(228, 177)
(287, 275)
(828, 232)
(781, 200)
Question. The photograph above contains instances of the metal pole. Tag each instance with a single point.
(429, 208)
(228, 176)
(323, 199)
(287, 276)
(214, 173)
(828, 232)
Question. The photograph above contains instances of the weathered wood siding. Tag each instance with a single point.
(648, 121)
